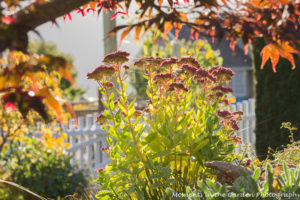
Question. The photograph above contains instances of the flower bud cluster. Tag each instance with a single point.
(163, 78)
(177, 87)
(230, 118)
(118, 58)
(101, 119)
(100, 72)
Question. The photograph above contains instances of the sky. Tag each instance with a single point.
(82, 38)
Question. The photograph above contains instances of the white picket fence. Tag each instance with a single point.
(87, 138)
(247, 125)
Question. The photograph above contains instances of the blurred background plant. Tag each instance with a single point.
(42, 166)
(70, 91)
(32, 142)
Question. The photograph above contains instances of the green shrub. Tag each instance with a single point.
(44, 171)
(171, 149)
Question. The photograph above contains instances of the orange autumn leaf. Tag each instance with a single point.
(178, 27)
(168, 26)
(51, 101)
(137, 32)
(64, 72)
(92, 5)
(275, 51)
(125, 33)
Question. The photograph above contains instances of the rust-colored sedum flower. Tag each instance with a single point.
(100, 170)
(238, 114)
(118, 57)
(224, 114)
(148, 62)
(137, 114)
(108, 84)
(100, 72)
(203, 76)
(222, 89)
(225, 74)
(234, 124)
(147, 110)
(237, 139)
(117, 100)
(126, 67)
(190, 61)
(163, 78)
(189, 69)
(101, 119)
(178, 87)
(168, 63)
(226, 101)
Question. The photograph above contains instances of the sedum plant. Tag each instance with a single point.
(166, 144)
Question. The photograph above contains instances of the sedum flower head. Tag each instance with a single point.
(224, 114)
(101, 119)
(178, 87)
(169, 62)
(190, 61)
(137, 113)
(118, 57)
(108, 84)
(222, 89)
(203, 75)
(225, 74)
(163, 78)
(148, 62)
(189, 69)
(100, 72)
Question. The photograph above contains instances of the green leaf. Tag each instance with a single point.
(170, 191)
(124, 170)
(111, 97)
(126, 86)
(256, 174)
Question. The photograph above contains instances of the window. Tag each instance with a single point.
(239, 85)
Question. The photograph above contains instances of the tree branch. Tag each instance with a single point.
(15, 36)
(229, 169)
(37, 14)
